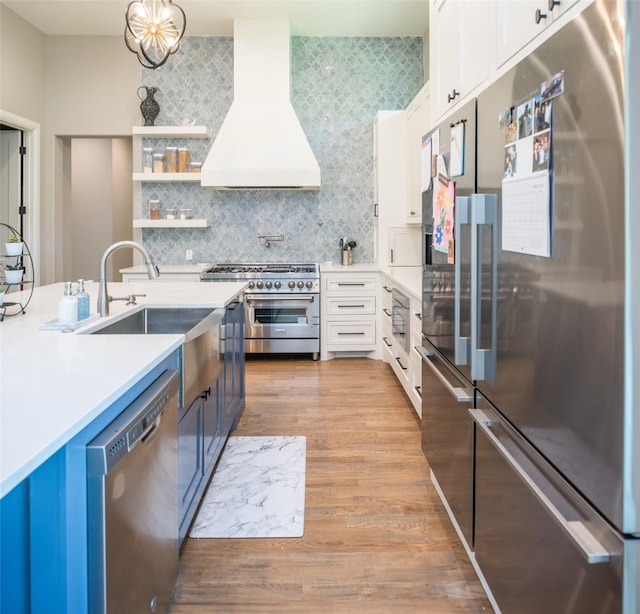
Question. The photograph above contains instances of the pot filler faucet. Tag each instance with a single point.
(103, 295)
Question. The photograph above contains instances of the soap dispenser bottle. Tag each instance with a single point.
(83, 301)
(68, 306)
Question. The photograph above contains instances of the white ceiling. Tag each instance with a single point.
(215, 18)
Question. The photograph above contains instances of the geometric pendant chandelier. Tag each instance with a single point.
(154, 30)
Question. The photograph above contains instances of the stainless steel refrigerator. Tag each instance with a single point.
(530, 404)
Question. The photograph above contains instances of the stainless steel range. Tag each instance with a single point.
(282, 305)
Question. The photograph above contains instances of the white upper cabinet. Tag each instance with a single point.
(472, 42)
(519, 23)
(389, 163)
(461, 50)
(418, 124)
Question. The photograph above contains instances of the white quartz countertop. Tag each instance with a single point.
(53, 384)
(408, 278)
(169, 268)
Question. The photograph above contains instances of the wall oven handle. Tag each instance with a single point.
(277, 297)
(460, 394)
(462, 346)
(593, 551)
(484, 212)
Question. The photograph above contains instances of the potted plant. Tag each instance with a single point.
(14, 245)
(13, 274)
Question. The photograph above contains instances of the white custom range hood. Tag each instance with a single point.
(261, 144)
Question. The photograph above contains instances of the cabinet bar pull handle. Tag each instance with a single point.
(386, 342)
(459, 393)
(400, 363)
(356, 333)
(351, 306)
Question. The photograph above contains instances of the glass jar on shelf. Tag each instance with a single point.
(183, 160)
(158, 163)
(154, 209)
(186, 214)
(172, 214)
(147, 159)
(172, 159)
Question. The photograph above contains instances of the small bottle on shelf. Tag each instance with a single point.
(83, 301)
(68, 306)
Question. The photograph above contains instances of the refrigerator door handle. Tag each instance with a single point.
(484, 212)
(460, 394)
(462, 345)
(592, 550)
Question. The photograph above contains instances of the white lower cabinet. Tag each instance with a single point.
(349, 314)
(406, 364)
(385, 322)
(415, 358)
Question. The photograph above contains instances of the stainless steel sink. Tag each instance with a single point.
(157, 321)
(200, 353)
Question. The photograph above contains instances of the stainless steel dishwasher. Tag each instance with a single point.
(132, 488)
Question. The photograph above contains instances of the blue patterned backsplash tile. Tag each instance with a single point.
(338, 84)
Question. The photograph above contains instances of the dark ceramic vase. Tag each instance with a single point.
(149, 107)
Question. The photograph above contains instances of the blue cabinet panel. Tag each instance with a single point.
(190, 461)
(14, 551)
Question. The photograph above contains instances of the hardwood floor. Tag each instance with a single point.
(377, 538)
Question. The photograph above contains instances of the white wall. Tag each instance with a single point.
(122, 201)
(23, 104)
(22, 67)
(72, 86)
(91, 91)
(99, 209)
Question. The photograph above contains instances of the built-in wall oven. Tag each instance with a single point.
(282, 305)
(400, 318)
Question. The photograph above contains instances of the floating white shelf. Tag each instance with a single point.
(193, 223)
(167, 177)
(189, 132)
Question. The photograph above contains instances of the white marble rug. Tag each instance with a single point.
(257, 490)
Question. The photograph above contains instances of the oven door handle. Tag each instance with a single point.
(275, 297)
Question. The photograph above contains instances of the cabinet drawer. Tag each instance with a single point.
(525, 516)
(348, 284)
(351, 305)
(351, 334)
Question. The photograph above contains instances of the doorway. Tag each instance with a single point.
(19, 181)
(98, 204)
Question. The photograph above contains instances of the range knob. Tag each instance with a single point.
(251, 285)
(278, 285)
(292, 284)
(300, 284)
(268, 285)
(259, 284)
(309, 284)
